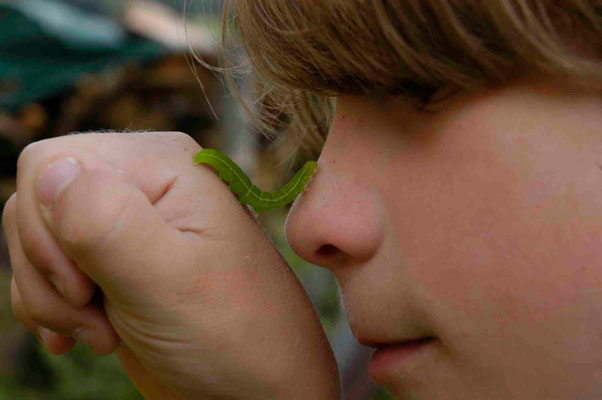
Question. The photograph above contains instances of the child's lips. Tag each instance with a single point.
(391, 356)
(377, 345)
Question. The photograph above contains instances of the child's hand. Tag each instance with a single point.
(198, 295)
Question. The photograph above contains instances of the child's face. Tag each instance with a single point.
(479, 224)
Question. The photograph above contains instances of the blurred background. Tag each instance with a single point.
(125, 65)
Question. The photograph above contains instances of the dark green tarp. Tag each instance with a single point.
(45, 46)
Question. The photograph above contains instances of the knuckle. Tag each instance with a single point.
(27, 154)
(10, 207)
(183, 138)
(15, 300)
(32, 246)
(35, 310)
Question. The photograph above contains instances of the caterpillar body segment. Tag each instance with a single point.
(250, 194)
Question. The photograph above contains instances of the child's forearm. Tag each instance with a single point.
(279, 333)
(306, 366)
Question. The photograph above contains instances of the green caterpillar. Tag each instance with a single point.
(250, 194)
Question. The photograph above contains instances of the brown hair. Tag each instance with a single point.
(304, 52)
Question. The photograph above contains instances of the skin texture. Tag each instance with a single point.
(192, 294)
(479, 223)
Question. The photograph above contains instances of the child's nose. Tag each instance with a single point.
(338, 221)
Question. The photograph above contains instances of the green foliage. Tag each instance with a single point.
(78, 375)
(382, 394)
(79, 371)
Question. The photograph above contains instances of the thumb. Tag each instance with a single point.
(111, 230)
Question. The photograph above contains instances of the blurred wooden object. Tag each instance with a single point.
(13, 129)
(160, 23)
(160, 97)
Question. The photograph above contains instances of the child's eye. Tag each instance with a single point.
(437, 99)
(444, 93)
(422, 95)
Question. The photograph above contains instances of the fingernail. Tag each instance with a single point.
(57, 176)
(84, 336)
(44, 334)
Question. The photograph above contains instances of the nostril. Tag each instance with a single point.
(327, 250)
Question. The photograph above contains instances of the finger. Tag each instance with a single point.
(39, 302)
(118, 238)
(55, 342)
(48, 257)
(140, 159)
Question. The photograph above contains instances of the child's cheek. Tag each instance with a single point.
(505, 245)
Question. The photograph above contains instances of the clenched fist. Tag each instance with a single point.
(121, 242)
